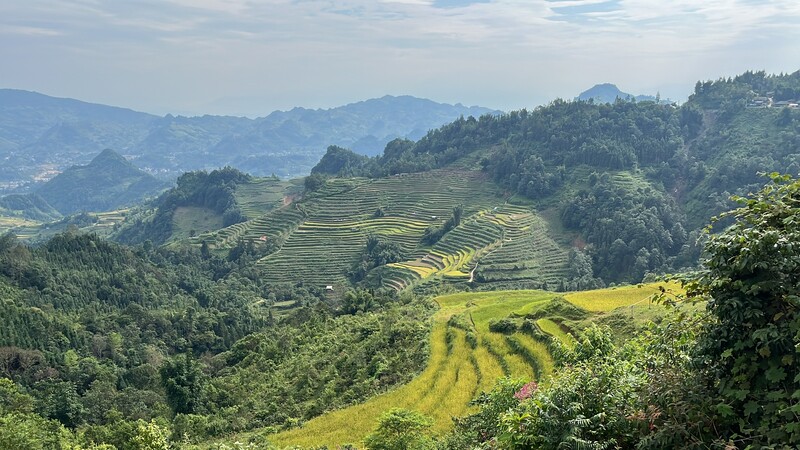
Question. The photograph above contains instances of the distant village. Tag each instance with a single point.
(767, 102)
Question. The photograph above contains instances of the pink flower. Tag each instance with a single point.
(526, 391)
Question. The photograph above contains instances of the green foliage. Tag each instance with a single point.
(377, 252)
(30, 206)
(504, 325)
(184, 384)
(630, 228)
(726, 379)
(107, 183)
(21, 431)
(483, 427)
(749, 350)
(601, 397)
(12, 399)
(314, 182)
(341, 162)
(150, 436)
(433, 234)
(290, 372)
(214, 190)
(715, 94)
(400, 429)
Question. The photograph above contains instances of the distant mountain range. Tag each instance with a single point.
(609, 93)
(41, 135)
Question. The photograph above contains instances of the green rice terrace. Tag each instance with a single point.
(319, 237)
(477, 338)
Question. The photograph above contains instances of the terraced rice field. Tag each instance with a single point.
(609, 299)
(528, 252)
(457, 370)
(262, 195)
(26, 229)
(17, 224)
(466, 359)
(506, 243)
(321, 236)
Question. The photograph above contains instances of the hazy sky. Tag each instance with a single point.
(254, 56)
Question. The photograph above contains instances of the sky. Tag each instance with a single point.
(250, 57)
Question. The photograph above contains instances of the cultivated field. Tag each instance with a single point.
(466, 358)
(321, 236)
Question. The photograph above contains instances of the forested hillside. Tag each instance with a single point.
(634, 181)
(202, 202)
(107, 183)
(97, 336)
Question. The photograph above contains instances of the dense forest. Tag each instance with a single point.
(98, 336)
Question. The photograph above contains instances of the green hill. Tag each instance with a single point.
(203, 202)
(107, 183)
(627, 186)
(318, 239)
(309, 312)
(28, 206)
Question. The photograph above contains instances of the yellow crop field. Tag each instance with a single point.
(553, 329)
(457, 371)
(451, 379)
(604, 300)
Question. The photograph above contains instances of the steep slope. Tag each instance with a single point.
(108, 182)
(629, 184)
(320, 239)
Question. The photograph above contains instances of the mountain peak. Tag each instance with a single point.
(609, 93)
(604, 93)
(108, 155)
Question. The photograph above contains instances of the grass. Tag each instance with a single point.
(189, 221)
(555, 330)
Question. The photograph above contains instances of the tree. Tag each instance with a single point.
(749, 350)
(183, 381)
(314, 182)
(400, 429)
(150, 436)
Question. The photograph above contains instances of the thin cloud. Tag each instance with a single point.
(318, 52)
(29, 31)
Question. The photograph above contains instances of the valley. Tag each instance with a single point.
(517, 280)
